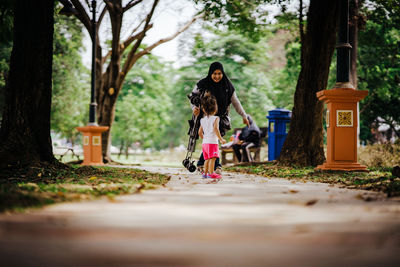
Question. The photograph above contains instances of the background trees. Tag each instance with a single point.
(6, 29)
(379, 69)
(71, 81)
(112, 66)
(143, 111)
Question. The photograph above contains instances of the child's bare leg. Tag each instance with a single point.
(212, 164)
(206, 166)
(210, 168)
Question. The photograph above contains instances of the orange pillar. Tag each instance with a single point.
(341, 120)
(92, 152)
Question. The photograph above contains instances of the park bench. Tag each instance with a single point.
(60, 155)
(255, 150)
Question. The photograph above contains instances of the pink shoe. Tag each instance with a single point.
(215, 176)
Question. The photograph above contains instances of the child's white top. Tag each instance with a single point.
(209, 136)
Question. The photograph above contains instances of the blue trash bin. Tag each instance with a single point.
(278, 127)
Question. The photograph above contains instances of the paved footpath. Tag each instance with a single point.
(242, 220)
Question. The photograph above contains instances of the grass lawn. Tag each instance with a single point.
(38, 186)
(377, 179)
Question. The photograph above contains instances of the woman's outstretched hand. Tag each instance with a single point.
(246, 121)
(196, 111)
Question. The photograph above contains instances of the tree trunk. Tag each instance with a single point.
(110, 89)
(127, 151)
(25, 130)
(304, 143)
(106, 114)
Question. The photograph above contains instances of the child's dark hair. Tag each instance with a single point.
(209, 104)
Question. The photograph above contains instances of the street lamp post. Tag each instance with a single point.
(93, 104)
(343, 48)
(92, 145)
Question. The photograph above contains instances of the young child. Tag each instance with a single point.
(209, 132)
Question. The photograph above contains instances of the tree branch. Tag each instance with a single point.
(164, 40)
(103, 12)
(131, 4)
(103, 60)
(142, 34)
(132, 38)
(128, 64)
(83, 16)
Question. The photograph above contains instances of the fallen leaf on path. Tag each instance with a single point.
(366, 197)
(293, 191)
(311, 202)
(359, 196)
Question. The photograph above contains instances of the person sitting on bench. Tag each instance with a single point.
(249, 137)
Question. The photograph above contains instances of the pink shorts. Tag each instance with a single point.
(210, 151)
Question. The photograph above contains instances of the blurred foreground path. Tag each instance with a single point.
(242, 220)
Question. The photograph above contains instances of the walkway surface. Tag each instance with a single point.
(242, 220)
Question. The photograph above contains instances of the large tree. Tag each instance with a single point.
(304, 143)
(113, 66)
(25, 129)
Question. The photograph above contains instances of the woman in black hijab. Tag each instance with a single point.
(217, 84)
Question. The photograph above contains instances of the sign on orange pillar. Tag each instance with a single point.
(92, 149)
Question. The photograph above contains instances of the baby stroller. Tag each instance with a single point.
(194, 126)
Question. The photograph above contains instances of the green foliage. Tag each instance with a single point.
(246, 17)
(379, 68)
(6, 38)
(143, 111)
(5, 52)
(6, 21)
(285, 80)
(70, 99)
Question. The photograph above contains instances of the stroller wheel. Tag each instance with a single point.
(192, 168)
(185, 163)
